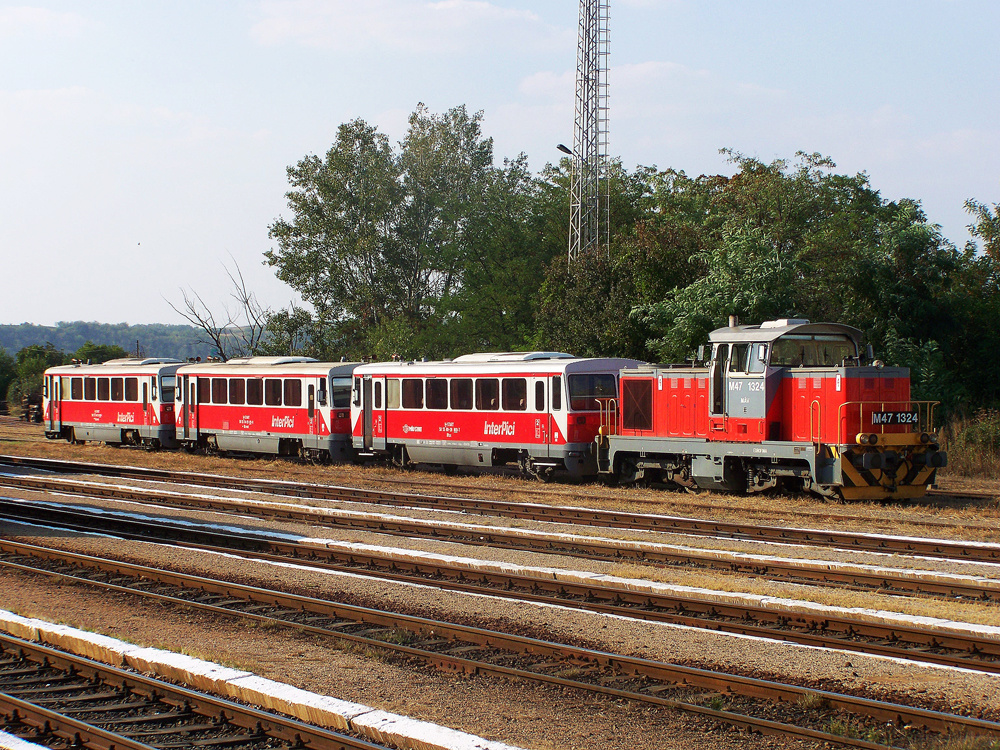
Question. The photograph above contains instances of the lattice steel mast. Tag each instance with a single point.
(589, 204)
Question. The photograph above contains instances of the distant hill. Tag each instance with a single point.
(155, 339)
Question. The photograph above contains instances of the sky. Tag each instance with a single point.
(144, 145)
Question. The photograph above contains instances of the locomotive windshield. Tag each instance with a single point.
(812, 350)
(584, 390)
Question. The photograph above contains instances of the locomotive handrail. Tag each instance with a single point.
(816, 429)
(609, 415)
(923, 423)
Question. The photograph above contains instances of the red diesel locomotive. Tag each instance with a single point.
(540, 410)
(787, 402)
(286, 406)
(124, 401)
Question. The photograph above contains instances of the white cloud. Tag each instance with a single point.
(41, 22)
(446, 26)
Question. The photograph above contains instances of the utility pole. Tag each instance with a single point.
(589, 213)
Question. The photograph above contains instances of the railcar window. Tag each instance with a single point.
(293, 392)
(132, 389)
(76, 389)
(437, 393)
(585, 389)
(413, 393)
(341, 391)
(90, 389)
(272, 392)
(378, 394)
(204, 390)
(220, 387)
(637, 404)
(461, 393)
(255, 391)
(487, 394)
(515, 394)
(540, 395)
(556, 393)
(392, 393)
(65, 389)
(169, 383)
(738, 360)
(103, 389)
(237, 391)
(817, 350)
(117, 389)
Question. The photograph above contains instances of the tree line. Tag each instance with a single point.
(433, 250)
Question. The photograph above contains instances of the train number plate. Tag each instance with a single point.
(894, 417)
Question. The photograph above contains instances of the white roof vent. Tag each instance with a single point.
(784, 323)
(512, 356)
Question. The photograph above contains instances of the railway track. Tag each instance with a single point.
(883, 543)
(575, 546)
(62, 700)
(815, 628)
(752, 703)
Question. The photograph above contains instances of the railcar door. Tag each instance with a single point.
(367, 420)
(718, 387)
(55, 397)
(543, 417)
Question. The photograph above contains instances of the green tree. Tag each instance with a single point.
(97, 353)
(8, 371)
(31, 363)
(986, 226)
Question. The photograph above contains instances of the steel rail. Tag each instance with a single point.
(450, 647)
(255, 723)
(790, 570)
(956, 549)
(828, 630)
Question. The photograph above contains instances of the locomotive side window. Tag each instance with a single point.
(117, 389)
(220, 387)
(76, 389)
(237, 391)
(461, 393)
(272, 392)
(90, 389)
(103, 389)
(255, 391)
(817, 350)
(293, 392)
(540, 395)
(204, 391)
(738, 360)
(718, 375)
(413, 393)
(487, 394)
(584, 390)
(392, 393)
(758, 357)
(131, 389)
(515, 394)
(437, 393)
(556, 393)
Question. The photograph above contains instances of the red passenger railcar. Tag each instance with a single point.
(289, 406)
(124, 401)
(786, 402)
(540, 410)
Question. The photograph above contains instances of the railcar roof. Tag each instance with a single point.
(117, 366)
(480, 366)
(773, 329)
(263, 366)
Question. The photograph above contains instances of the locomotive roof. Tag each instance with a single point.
(773, 329)
(248, 366)
(504, 362)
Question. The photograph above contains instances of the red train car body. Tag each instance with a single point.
(123, 401)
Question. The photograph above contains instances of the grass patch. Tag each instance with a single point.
(973, 445)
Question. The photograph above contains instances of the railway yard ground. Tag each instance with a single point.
(665, 635)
